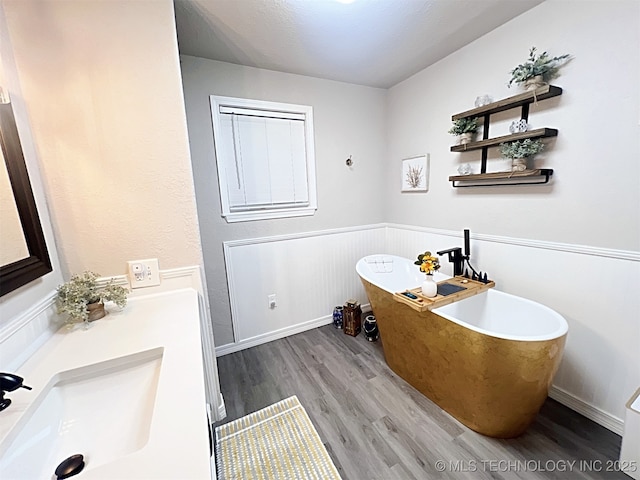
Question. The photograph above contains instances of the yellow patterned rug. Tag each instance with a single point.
(277, 442)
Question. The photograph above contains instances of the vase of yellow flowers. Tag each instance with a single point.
(428, 264)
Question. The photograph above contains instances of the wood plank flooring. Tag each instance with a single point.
(376, 426)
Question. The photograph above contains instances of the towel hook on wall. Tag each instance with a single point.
(349, 162)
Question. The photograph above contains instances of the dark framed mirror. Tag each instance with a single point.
(24, 243)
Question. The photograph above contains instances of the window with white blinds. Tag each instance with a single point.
(265, 158)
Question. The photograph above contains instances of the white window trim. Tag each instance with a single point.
(289, 111)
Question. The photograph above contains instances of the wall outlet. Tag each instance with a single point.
(144, 273)
(272, 301)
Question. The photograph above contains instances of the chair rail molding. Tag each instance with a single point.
(631, 255)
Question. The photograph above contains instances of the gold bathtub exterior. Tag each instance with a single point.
(492, 385)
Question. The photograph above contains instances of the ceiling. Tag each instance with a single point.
(367, 42)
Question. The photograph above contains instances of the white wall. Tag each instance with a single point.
(309, 274)
(16, 302)
(348, 120)
(102, 90)
(99, 85)
(551, 243)
(595, 195)
(106, 117)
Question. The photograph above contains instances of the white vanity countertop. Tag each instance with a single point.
(178, 445)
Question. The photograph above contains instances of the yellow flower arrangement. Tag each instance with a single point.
(428, 263)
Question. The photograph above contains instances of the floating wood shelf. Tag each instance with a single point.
(492, 142)
(422, 303)
(522, 100)
(527, 177)
(508, 103)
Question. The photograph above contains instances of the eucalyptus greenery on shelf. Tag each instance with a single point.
(464, 125)
(521, 148)
(519, 151)
(537, 65)
(83, 290)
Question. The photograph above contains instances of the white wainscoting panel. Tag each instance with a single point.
(595, 289)
(309, 273)
(23, 335)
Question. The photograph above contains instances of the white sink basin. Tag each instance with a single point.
(102, 411)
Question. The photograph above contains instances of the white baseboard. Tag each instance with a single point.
(278, 334)
(608, 421)
(274, 335)
(222, 410)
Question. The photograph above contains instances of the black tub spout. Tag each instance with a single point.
(455, 257)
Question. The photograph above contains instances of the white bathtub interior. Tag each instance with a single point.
(495, 312)
(392, 273)
(492, 313)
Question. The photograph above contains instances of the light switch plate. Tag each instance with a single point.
(144, 273)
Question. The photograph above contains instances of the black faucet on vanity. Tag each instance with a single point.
(456, 257)
(8, 383)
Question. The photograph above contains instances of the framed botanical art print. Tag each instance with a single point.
(415, 174)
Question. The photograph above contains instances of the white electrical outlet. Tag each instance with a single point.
(272, 301)
(144, 273)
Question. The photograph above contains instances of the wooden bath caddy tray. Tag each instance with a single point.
(422, 303)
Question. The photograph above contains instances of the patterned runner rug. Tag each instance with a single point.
(277, 442)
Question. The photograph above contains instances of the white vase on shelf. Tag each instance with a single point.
(429, 287)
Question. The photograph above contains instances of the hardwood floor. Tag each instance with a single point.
(376, 426)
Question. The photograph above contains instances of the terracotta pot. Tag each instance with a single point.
(96, 311)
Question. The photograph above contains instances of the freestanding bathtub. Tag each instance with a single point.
(487, 360)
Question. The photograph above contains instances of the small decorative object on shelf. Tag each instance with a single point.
(338, 315)
(519, 126)
(370, 328)
(537, 70)
(519, 151)
(82, 299)
(352, 318)
(464, 169)
(428, 264)
(465, 128)
(483, 100)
